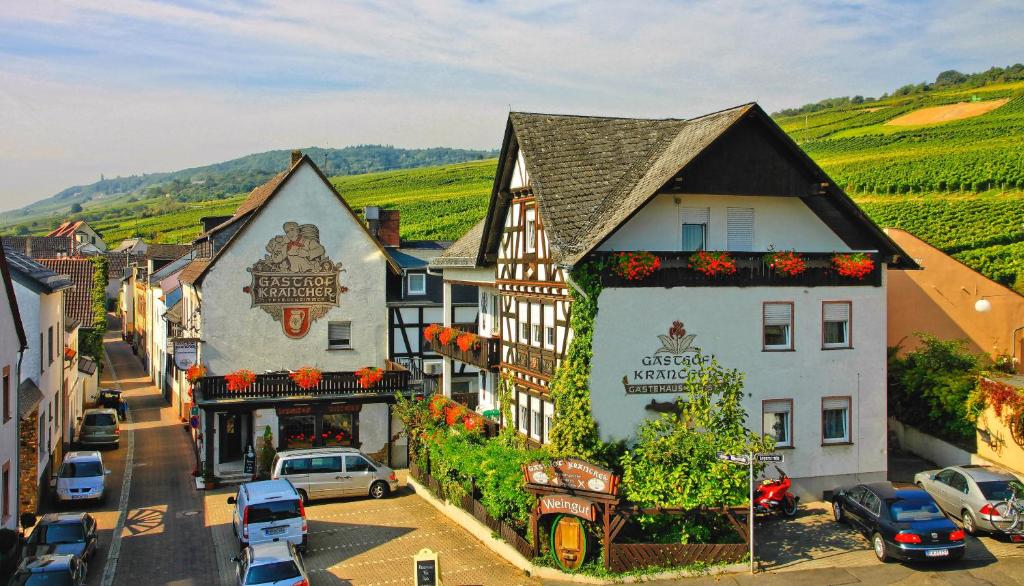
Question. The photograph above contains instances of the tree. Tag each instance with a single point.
(76, 208)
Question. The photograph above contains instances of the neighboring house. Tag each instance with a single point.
(163, 292)
(131, 246)
(43, 403)
(41, 246)
(86, 239)
(136, 310)
(12, 345)
(570, 190)
(117, 262)
(292, 279)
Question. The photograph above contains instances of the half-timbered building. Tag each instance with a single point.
(575, 191)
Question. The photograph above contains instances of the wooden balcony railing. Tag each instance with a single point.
(485, 357)
(751, 271)
(537, 360)
(280, 386)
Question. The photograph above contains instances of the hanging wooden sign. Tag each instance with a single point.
(572, 474)
(567, 505)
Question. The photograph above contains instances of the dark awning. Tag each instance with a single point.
(86, 365)
(29, 397)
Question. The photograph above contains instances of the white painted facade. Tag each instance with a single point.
(10, 351)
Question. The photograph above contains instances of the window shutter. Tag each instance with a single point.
(830, 404)
(696, 215)
(837, 312)
(339, 333)
(740, 228)
(778, 314)
(777, 406)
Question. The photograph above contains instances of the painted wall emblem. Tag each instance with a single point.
(296, 282)
(666, 370)
(677, 341)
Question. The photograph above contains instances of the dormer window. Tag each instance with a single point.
(416, 284)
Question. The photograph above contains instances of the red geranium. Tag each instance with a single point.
(195, 372)
(446, 335)
(468, 341)
(453, 412)
(856, 265)
(369, 376)
(713, 263)
(430, 332)
(436, 406)
(472, 422)
(635, 266)
(786, 262)
(306, 377)
(240, 379)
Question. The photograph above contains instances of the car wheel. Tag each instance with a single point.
(970, 525)
(378, 490)
(837, 512)
(304, 497)
(881, 550)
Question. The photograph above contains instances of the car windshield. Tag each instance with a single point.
(61, 533)
(273, 511)
(80, 469)
(99, 419)
(61, 578)
(999, 490)
(270, 573)
(905, 511)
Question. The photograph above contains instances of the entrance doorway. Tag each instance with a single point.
(233, 431)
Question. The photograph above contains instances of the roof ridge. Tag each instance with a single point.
(586, 116)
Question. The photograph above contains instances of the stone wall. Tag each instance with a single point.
(28, 463)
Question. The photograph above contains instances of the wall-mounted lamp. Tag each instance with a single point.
(983, 305)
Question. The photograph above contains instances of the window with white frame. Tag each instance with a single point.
(835, 325)
(339, 335)
(484, 398)
(524, 414)
(495, 314)
(550, 336)
(537, 422)
(537, 334)
(695, 228)
(531, 229)
(778, 326)
(524, 333)
(548, 420)
(777, 421)
(416, 284)
(835, 420)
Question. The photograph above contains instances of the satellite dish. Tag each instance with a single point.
(983, 306)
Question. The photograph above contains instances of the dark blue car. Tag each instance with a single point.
(901, 523)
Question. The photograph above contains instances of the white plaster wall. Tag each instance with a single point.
(236, 335)
(784, 222)
(727, 323)
(373, 427)
(9, 349)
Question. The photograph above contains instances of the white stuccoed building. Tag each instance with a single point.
(12, 344)
(572, 190)
(292, 279)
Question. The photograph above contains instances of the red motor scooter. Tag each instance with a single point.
(773, 496)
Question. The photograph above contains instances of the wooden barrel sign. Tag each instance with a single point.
(568, 542)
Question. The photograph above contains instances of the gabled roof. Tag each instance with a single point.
(171, 269)
(166, 251)
(69, 228)
(190, 274)
(464, 252)
(40, 246)
(417, 254)
(78, 301)
(35, 276)
(117, 261)
(12, 300)
(257, 201)
(591, 174)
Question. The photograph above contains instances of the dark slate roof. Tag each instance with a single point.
(167, 251)
(117, 261)
(171, 268)
(34, 275)
(86, 365)
(29, 397)
(78, 301)
(193, 270)
(12, 300)
(464, 252)
(416, 254)
(40, 246)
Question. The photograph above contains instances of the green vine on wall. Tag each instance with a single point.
(90, 340)
(574, 431)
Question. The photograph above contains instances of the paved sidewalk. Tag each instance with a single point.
(164, 540)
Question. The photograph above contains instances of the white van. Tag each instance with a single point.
(269, 510)
(321, 473)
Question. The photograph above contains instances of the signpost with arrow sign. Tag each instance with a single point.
(748, 459)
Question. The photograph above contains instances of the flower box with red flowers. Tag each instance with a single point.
(369, 376)
(634, 266)
(855, 265)
(430, 332)
(787, 263)
(467, 341)
(240, 379)
(306, 377)
(447, 335)
(713, 264)
(195, 372)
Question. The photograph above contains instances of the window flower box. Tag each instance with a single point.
(635, 266)
(713, 264)
(856, 265)
(787, 263)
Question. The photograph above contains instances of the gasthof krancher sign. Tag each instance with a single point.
(666, 370)
(296, 282)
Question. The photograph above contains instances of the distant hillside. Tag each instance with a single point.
(230, 178)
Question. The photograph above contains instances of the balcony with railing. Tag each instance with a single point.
(483, 353)
(752, 270)
(279, 385)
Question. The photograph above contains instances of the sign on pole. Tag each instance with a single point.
(425, 568)
(186, 351)
(769, 458)
(735, 458)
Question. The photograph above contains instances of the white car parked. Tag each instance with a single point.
(269, 510)
(82, 477)
(271, 563)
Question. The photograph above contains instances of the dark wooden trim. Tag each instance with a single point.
(849, 420)
(469, 284)
(849, 325)
(792, 420)
(792, 326)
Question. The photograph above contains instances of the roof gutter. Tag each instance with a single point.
(567, 271)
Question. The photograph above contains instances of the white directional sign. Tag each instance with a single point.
(769, 458)
(738, 459)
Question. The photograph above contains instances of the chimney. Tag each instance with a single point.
(387, 232)
(372, 216)
(296, 155)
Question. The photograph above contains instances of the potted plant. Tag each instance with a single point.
(369, 376)
(430, 332)
(240, 380)
(713, 263)
(635, 266)
(787, 263)
(195, 372)
(467, 341)
(306, 377)
(447, 335)
(855, 265)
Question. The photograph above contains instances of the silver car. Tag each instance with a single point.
(100, 427)
(81, 477)
(274, 563)
(969, 493)
(321, 473)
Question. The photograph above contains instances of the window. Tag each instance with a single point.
(524, 333)
(416, 284)
(958, 483)
(483, 388)
(531, 230)
(339, 334)
(524, 415)
(357, 464)
(548, 420)
(835, 420)
(7, 394)
(778, 421)
(740, 233)
(494, 314)
(778, 326)
(537, 334)
(835, 324)
(538, 424)
(325, 465)
(695, 228)
(551, 336)
(296, 466)
(872, 503)
(49, 344)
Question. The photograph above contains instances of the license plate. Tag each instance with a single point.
(936, 553)
(80, 496)
(275, 530)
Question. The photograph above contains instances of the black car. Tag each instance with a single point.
(57, 569)
(901, 522)
(63, 533)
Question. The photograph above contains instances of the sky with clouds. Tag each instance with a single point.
(121, 87)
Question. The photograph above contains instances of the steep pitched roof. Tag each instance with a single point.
(257, 201)
(5, 275)
(464, 252)
(190, 274)
(591, 174)
(117, 261)
(78, 301)
(34, 275)
(41, 246)
(68, 228)
(167, 251)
